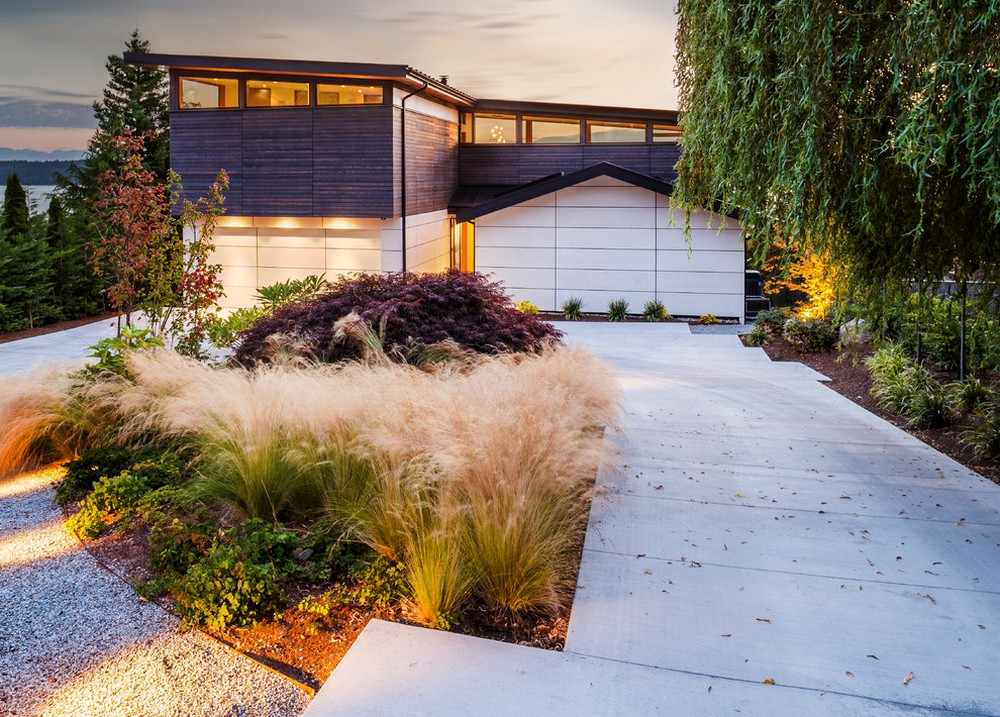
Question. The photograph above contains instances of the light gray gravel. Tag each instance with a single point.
(75, 640)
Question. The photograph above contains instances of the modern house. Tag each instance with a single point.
(345, 167)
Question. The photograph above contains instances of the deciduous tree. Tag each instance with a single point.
(866, 129)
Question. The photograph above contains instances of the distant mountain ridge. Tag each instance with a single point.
(34, 155)
(33, 173)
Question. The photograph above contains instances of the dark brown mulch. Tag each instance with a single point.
(307, 647)
(52, 328)
(849, 377)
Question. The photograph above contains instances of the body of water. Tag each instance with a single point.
(38, 196)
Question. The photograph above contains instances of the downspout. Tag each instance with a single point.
(402, 163)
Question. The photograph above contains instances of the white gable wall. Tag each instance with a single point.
(605, 239)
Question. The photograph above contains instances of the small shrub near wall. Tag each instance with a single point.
(810, 335)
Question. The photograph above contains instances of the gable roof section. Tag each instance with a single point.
(555, 182)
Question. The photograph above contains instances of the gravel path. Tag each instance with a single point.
(74, 640)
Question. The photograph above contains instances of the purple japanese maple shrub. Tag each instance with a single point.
(406, 310)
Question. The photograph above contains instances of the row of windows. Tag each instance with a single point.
(203, 92)
(487, 128)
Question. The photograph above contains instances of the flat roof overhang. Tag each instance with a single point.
(402, 74)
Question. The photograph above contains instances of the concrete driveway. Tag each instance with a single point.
(766, 548)
(61, 347)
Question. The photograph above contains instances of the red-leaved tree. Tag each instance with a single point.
(142, 250)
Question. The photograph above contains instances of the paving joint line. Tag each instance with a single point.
(690, 501)
(848, 579)
(743, 680)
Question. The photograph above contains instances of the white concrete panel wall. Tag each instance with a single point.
(428, 243)
(257, 251)
(604, 240)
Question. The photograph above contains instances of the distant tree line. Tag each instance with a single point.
(44, 272)
(51, 264)
(35, 172)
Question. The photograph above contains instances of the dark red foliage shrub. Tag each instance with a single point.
(415, 310)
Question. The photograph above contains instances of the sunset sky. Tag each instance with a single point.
(52, 52)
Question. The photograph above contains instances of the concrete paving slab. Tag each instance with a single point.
(402, 671)
(926, 554)
(60, 347)
(722, 446)
(801, 630)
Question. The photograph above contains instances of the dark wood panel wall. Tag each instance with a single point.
(297, 161)
(431, 163)
(519, 163)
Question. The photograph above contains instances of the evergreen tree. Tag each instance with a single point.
(135, 100)
(15, 214)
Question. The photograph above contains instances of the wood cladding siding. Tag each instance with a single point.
(277, 162)
(520, 163)
(300, 162)
(352, 162)
(202, 144)
(431, 162)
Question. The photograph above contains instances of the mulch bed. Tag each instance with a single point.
(849, 377)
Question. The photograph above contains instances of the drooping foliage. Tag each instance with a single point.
(406, 310)
(868, 130)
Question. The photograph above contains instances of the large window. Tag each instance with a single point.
(615, 132)
(666, 133)
(199, 92)
(348, 95)
(538, 130)
(494, 129)
(264, 93)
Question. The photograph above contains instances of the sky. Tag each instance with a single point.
(618, 53)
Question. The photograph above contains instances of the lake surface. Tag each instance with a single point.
(38, 196)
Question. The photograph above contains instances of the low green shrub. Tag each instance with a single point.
(654, 310)
(970, 394)
(378, 583)
(572, 309)
(773, 320)
(527, 307)
(225, 589)
(759, 336)
(888, 361)
(930, 407)
(708, 319)
(112, 498)
(175, 545)
(110, 353)
(810, 335)
(617, 310)
(984, 436)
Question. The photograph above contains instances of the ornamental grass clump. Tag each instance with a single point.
(474, 476)
(31, 413)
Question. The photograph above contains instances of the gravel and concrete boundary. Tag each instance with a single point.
(76, 641)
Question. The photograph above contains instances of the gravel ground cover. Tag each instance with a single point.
(75, 640)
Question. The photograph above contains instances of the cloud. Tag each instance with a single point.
(45, 92)
(18, 112)
(273, 36)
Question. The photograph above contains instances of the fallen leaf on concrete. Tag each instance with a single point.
(845, 497)
(849, 673)
(726, 634)
(908, 678)
(874, 657)
(762, 619)
(933, 601)
(658, 487)
(740, 495)
(768, 681)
